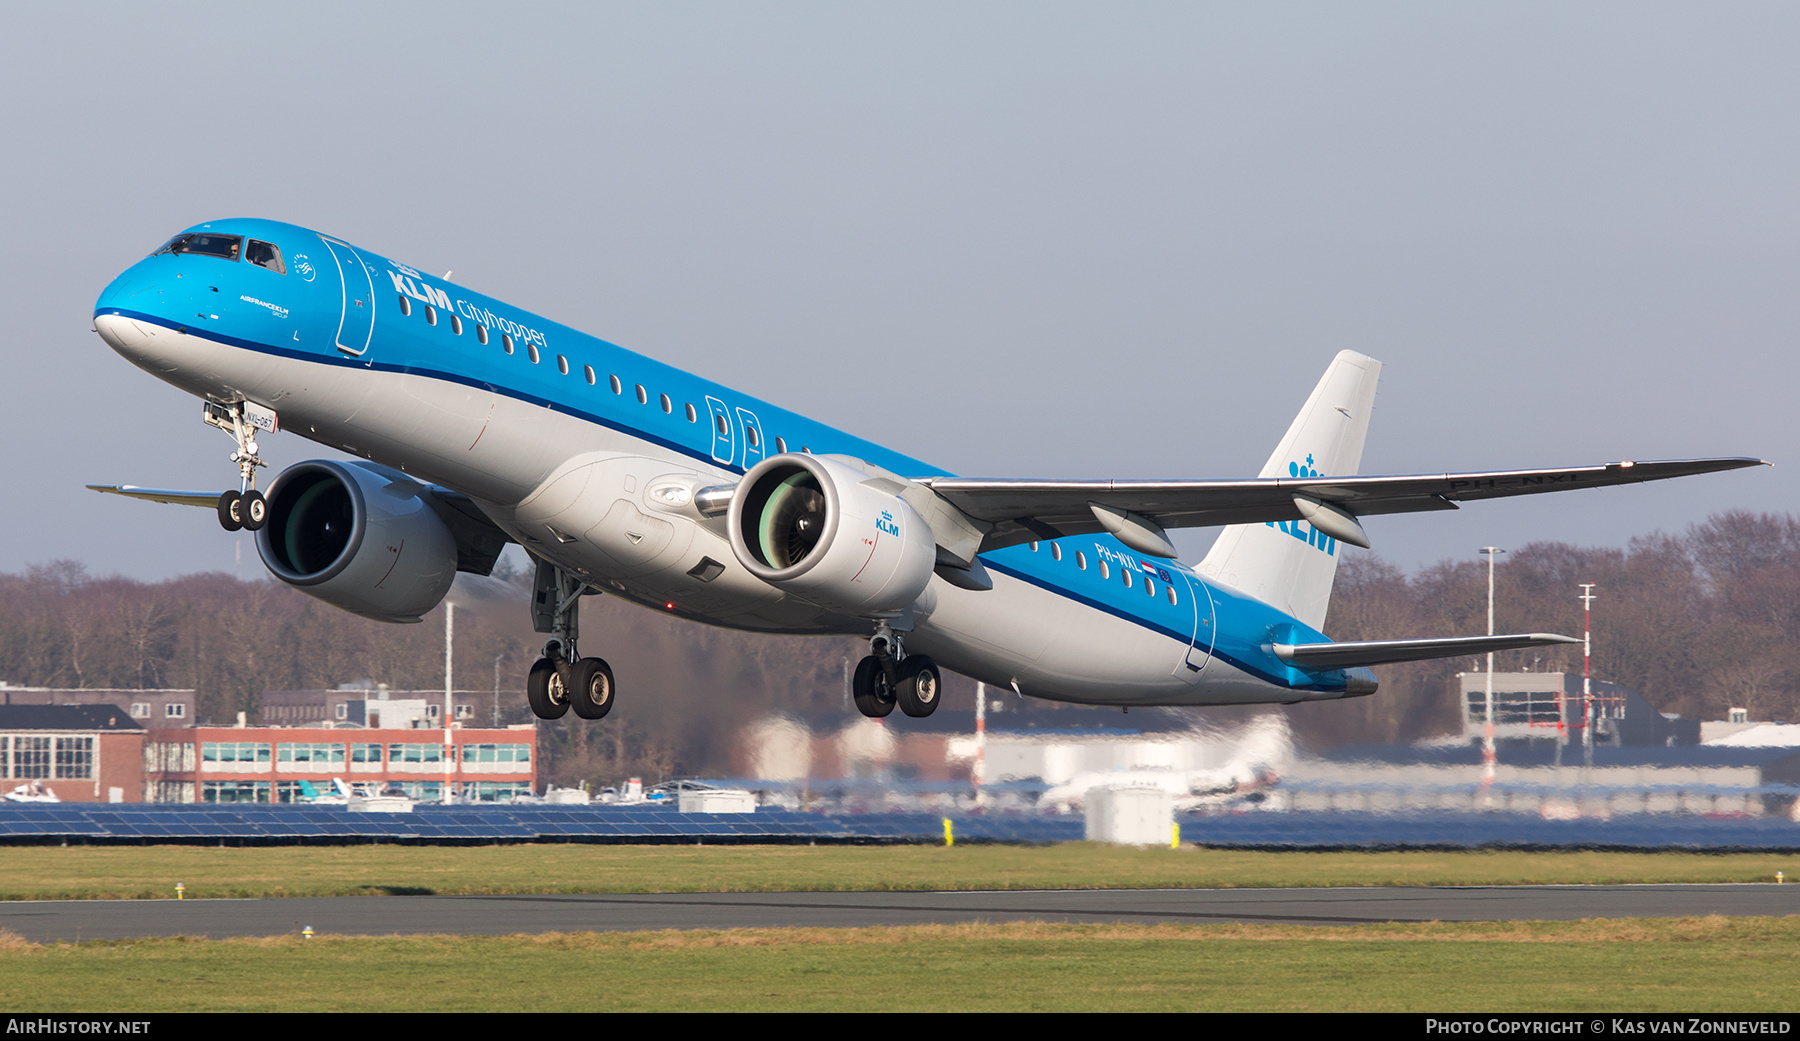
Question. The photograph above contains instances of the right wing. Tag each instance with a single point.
(1026, 510)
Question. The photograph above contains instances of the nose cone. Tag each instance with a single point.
(124, 313)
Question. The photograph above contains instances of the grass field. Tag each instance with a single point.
(152, 872)
(1681, 965)
(111, 872)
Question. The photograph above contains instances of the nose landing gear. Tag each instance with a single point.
(244, 508)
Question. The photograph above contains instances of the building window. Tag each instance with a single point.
(175, 710)
(415, 753)
(140, 710)
(234, 752)
(30, 758)
(74, 758)
(341, 711)
(365, 753)
(496, 753)
(297, 752)
(234, 791)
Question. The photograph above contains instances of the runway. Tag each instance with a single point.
(75, 920)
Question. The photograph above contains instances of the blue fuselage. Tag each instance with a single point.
(361, 353)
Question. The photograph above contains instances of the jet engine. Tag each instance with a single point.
(832, 534)
(358, 539)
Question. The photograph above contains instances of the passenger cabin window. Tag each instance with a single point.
(562, 365)
(1127, 573)
(506, 342)
(755, 439)
(1081, 560)
(693, 416)
(1055, 551)
(456, 325)
(265, 254)
(643, 395)
(667, 405)
(723, 427)
(618, 388)
(1034, 547)
(204, 244)
(430, 315)
(780, 446)
(406, 305)
(588, 371)
(1150, 586)
(481, 334)
(1171, 592)
(531, 349)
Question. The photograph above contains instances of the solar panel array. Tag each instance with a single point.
(194, 822)
(104, 822)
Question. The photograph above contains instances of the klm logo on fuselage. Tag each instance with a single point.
(886, 523)
(421, 291)
(1300, 529)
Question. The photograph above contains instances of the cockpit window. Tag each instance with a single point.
(205, 244)
(265, 254)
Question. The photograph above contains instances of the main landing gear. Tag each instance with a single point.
(889, 676)
(245, 508)
(561, 680)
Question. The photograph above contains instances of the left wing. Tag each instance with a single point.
(209, 500)
(1136, 511)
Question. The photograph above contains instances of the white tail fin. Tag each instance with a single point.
(1290, 565)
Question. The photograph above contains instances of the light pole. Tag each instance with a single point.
(1488, 756)
(1587, 674)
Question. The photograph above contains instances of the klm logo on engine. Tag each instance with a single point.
(886, 523)
(1299, 529)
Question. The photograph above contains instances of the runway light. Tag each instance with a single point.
(670, 605)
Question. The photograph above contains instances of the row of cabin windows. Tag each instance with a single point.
(587, 371)
(1081, 562)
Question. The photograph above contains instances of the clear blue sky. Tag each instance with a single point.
(1016, 239)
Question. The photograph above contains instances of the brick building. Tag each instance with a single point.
(280, 764)
(79, 753)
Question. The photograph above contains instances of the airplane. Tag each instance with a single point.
(475, 424)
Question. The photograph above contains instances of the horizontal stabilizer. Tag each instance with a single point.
(210, 500)
(1386, 652)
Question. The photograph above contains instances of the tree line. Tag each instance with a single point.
(1697, 623)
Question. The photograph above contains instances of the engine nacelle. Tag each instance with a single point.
(357, 539)
(812, 527)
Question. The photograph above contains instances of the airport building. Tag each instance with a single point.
(1548, 708)
(75, 753)
(290, 764)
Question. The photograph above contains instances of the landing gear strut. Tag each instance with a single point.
(244, 508)
(889, 676)
(562, 680)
